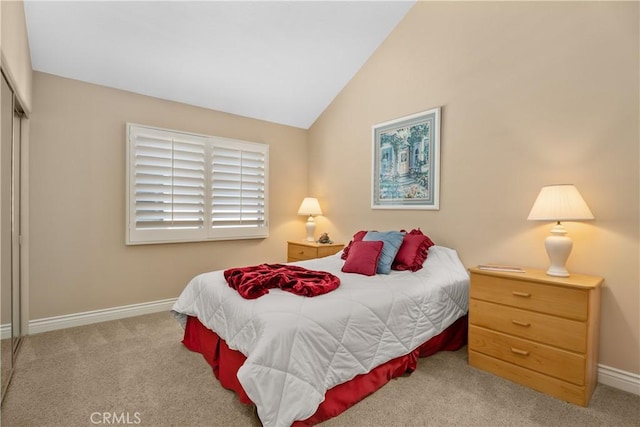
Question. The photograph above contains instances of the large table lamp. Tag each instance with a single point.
(559, 203)
(310, 207)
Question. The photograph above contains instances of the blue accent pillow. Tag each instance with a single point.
(392, 241)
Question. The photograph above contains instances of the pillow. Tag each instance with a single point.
(363, 258)
(356, 238)
(413, 251)
(392, 241)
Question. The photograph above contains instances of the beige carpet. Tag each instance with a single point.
(138, 370)
(5, 368)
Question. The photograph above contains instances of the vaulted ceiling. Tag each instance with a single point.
(280, 61)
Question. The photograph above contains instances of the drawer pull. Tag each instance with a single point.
(522, 294)
(520, 323)
(518, 351)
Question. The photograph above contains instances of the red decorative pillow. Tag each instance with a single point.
(363, 257)
(412, 252)
(356, 238)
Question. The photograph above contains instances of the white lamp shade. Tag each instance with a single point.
(560, 203)
(309, 206)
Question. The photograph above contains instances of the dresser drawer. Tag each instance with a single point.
(551, 361)
(543, 383)
(560, 301)
(301, 252)
(544, 328)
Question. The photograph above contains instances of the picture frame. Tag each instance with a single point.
(406, 162)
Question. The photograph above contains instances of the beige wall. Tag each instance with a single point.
(532, 94)
(16, 59)
(78, 259)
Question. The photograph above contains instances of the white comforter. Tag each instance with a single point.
(298, 347)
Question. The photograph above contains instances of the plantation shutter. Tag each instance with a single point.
(238, 188)
(185, 187)
(169, 182)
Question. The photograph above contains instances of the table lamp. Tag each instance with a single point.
(311, 207)
(559, 203)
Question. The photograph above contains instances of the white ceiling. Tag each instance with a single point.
(280, 61)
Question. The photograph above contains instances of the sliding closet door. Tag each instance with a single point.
(10, 232)
(6, 138)
(16, 233)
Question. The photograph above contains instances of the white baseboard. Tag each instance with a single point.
(619, 379)
(607, 375)
(88, 317)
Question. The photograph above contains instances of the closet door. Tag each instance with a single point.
(6, 138)
(10, 231)
(16, 233)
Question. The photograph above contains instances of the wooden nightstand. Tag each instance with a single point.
(302, 250)
(537, 330)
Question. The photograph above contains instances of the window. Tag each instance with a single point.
(184, 187)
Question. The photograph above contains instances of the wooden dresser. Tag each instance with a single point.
(303, 250)
(537, 330)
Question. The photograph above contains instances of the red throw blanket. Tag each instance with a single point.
(255, 281)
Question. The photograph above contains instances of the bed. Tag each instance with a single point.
(301, 360)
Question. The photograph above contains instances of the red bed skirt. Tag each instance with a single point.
(226, 362)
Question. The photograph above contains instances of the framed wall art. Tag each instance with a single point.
(406, 162)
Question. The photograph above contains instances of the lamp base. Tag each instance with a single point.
(558, 272)
(558, 247)
(311, 229)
